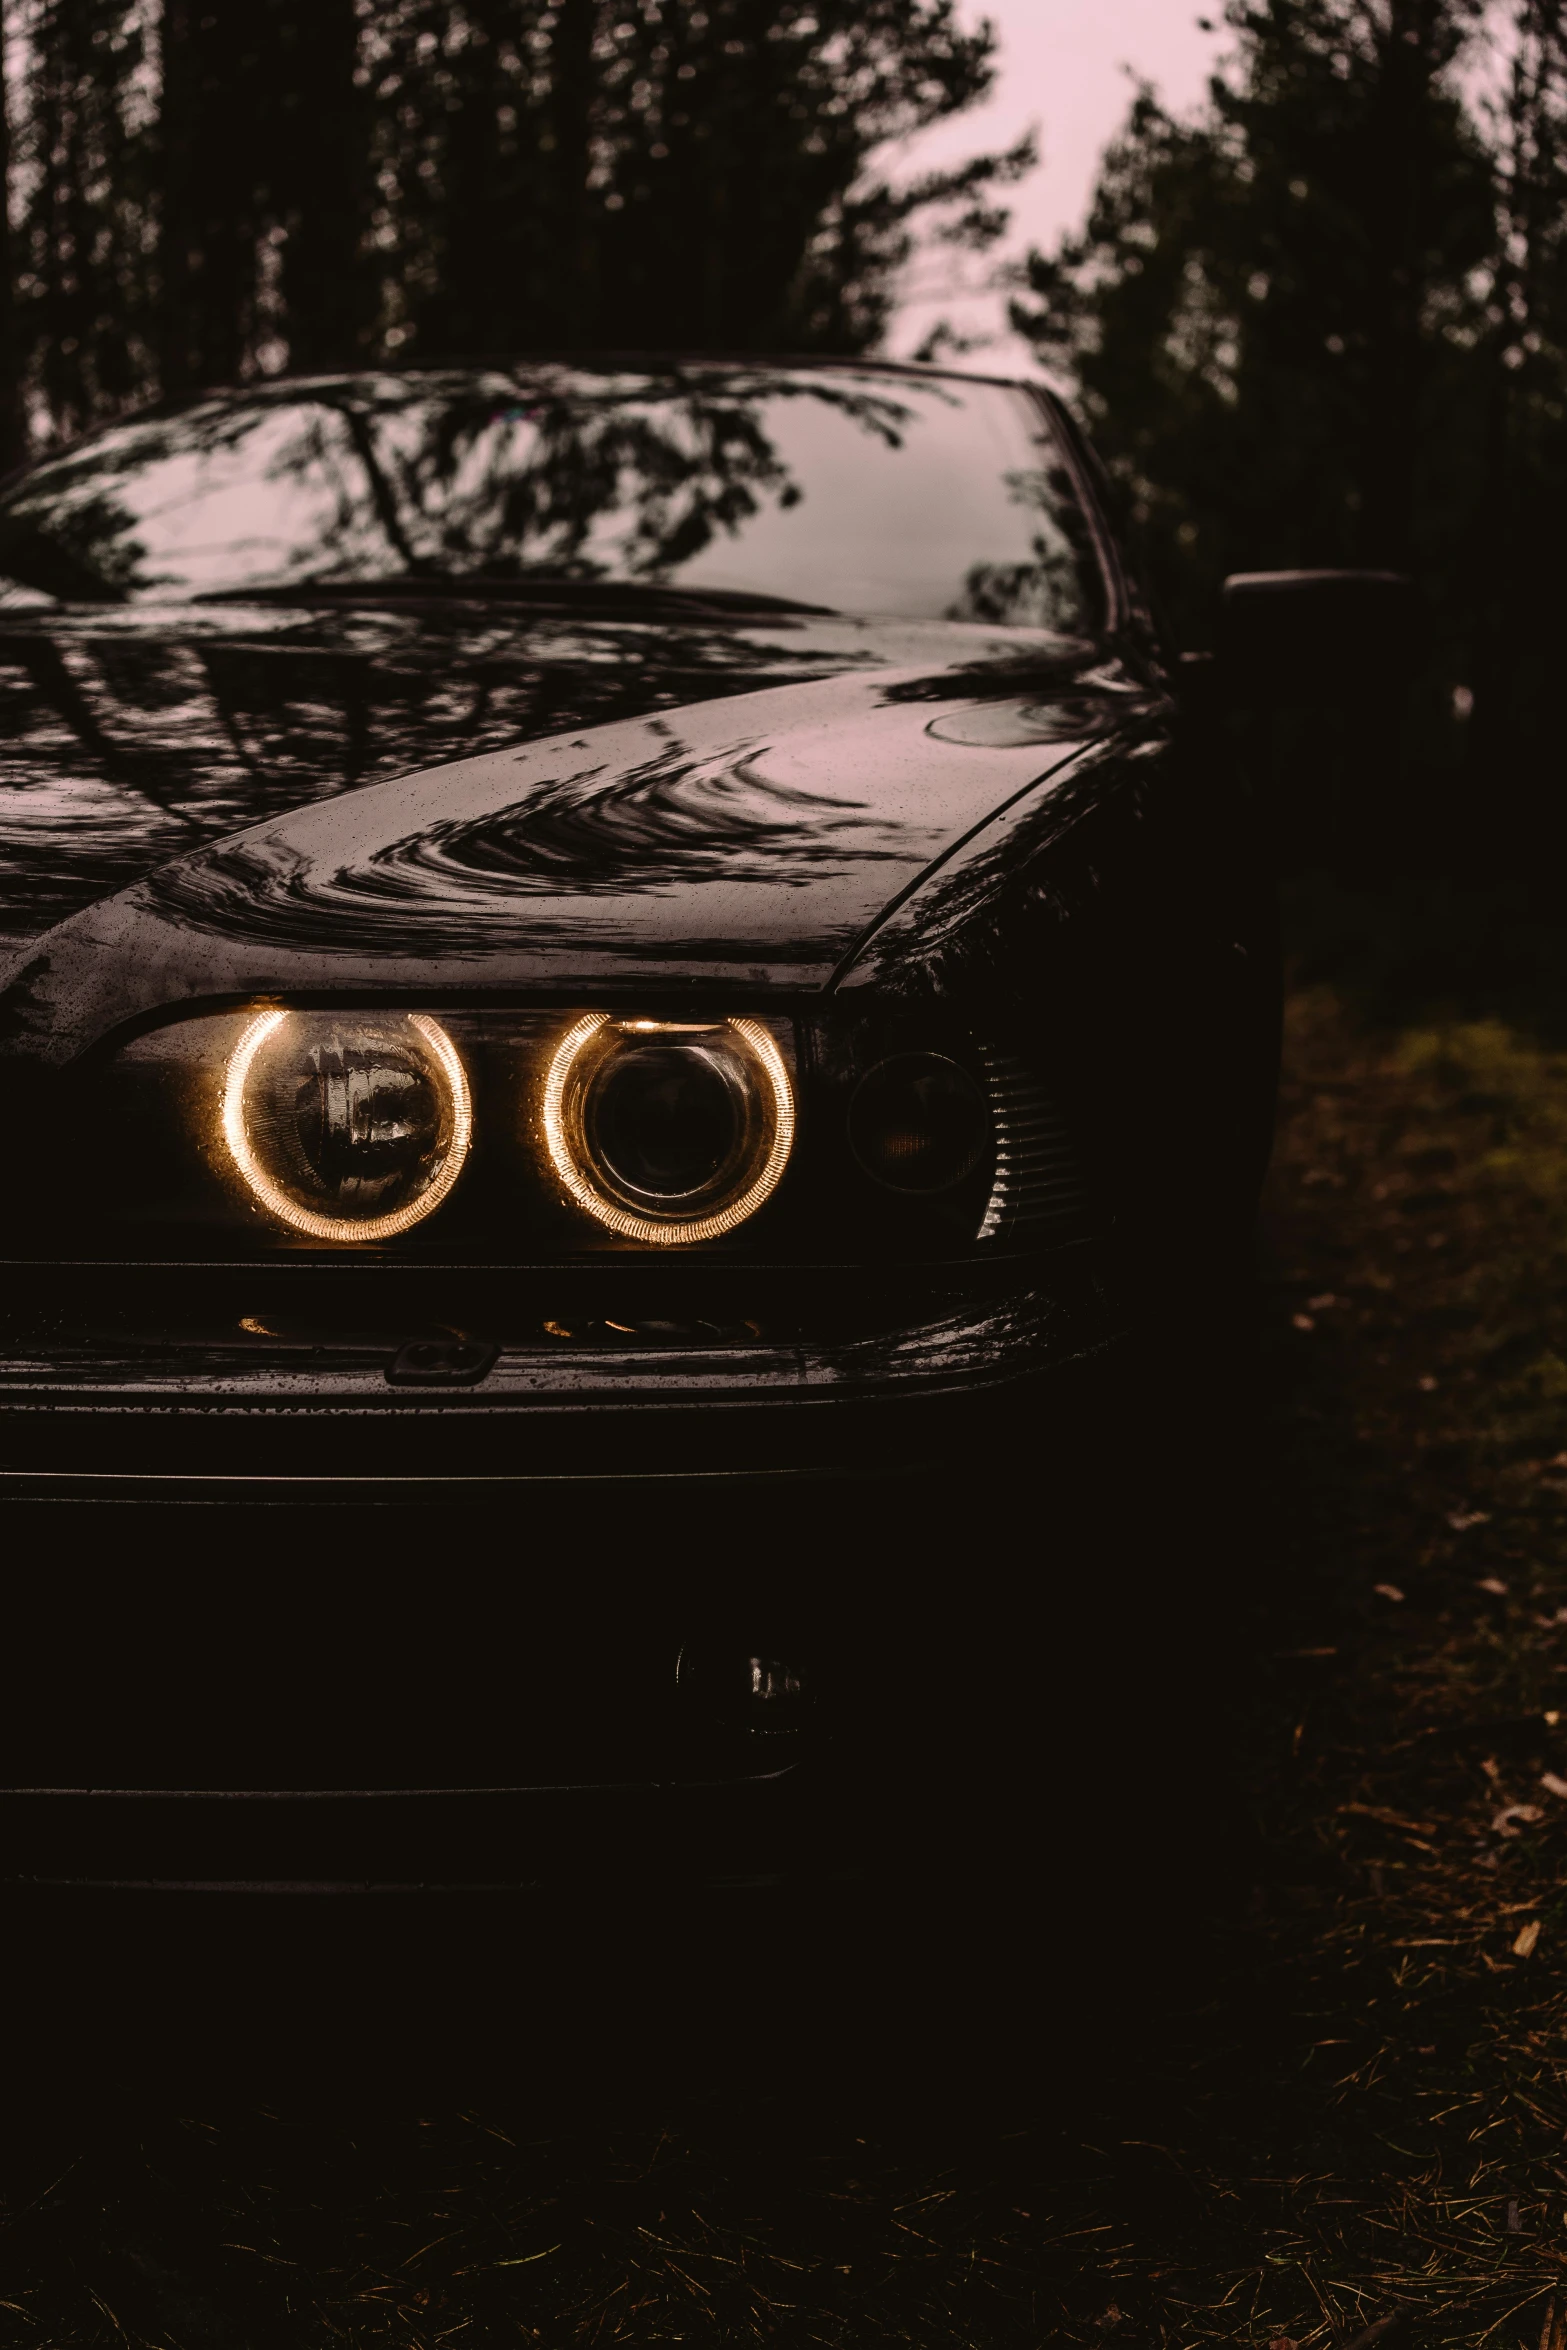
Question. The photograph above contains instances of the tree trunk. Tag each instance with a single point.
(13, 419)
(573, 308)
(320, 186)
(1401, 204)
(217, 103)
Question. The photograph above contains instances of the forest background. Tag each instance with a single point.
(1323, 320)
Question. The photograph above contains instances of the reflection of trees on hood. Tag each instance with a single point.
(206, 194)
(124, 740)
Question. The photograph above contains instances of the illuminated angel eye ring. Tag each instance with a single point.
(671, 1230)
(290, 1211)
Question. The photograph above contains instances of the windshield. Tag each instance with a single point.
(921, 497)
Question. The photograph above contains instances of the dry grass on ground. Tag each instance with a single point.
(1367, 2119)
(1378, 2126)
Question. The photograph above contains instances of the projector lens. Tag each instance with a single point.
(666, 1123)
(668, 1131)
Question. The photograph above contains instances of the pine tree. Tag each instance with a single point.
(82, 314)
(1513, 560)
(318, 183)
(209, 193)
(1274, 310)
(592, 176)
(1325, 322)
(13, 418)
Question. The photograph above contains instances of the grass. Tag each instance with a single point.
(1409, 1925)
(1373, 2119)
(1359, 2114)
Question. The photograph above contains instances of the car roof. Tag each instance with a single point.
(629, 361)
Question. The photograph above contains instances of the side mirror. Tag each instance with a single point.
(1303, 704)
(1316, 636)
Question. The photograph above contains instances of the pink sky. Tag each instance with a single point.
(1063, 67)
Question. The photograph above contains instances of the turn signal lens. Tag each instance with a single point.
(347, 1126)
(918, 1123)
(668, 1131)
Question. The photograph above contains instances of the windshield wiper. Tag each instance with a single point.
(606, 598)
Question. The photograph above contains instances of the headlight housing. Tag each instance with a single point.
(496, 1134)
(347, 1126)
(668, 1131)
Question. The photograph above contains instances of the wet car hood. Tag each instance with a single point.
(227, 790)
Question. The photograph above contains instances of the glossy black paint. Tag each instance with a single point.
(994, 821)
(133, 735)
(912, 827)
(755, 842)
(1315, 636)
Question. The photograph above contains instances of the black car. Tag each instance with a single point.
(637, 943)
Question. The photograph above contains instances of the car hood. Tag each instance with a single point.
(675, 805)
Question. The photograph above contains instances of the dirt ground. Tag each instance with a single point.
(1352, 2109)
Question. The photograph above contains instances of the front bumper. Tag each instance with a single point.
(324, 1707)
(746, 1834)
(198, 1383)
(416, 1696)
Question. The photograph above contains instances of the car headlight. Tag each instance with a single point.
(501, 1134)
(347, 1126)
(668, 1131)
(919, 1123)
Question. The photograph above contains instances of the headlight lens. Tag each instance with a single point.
(347, 1126)
(668, 1131)
(353, 1126)
(918, 1123)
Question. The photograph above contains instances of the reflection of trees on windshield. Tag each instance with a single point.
(550, 473)
(492, 476)
(81, 549)
(547, 476)
(72, 528)
(1036, 592)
